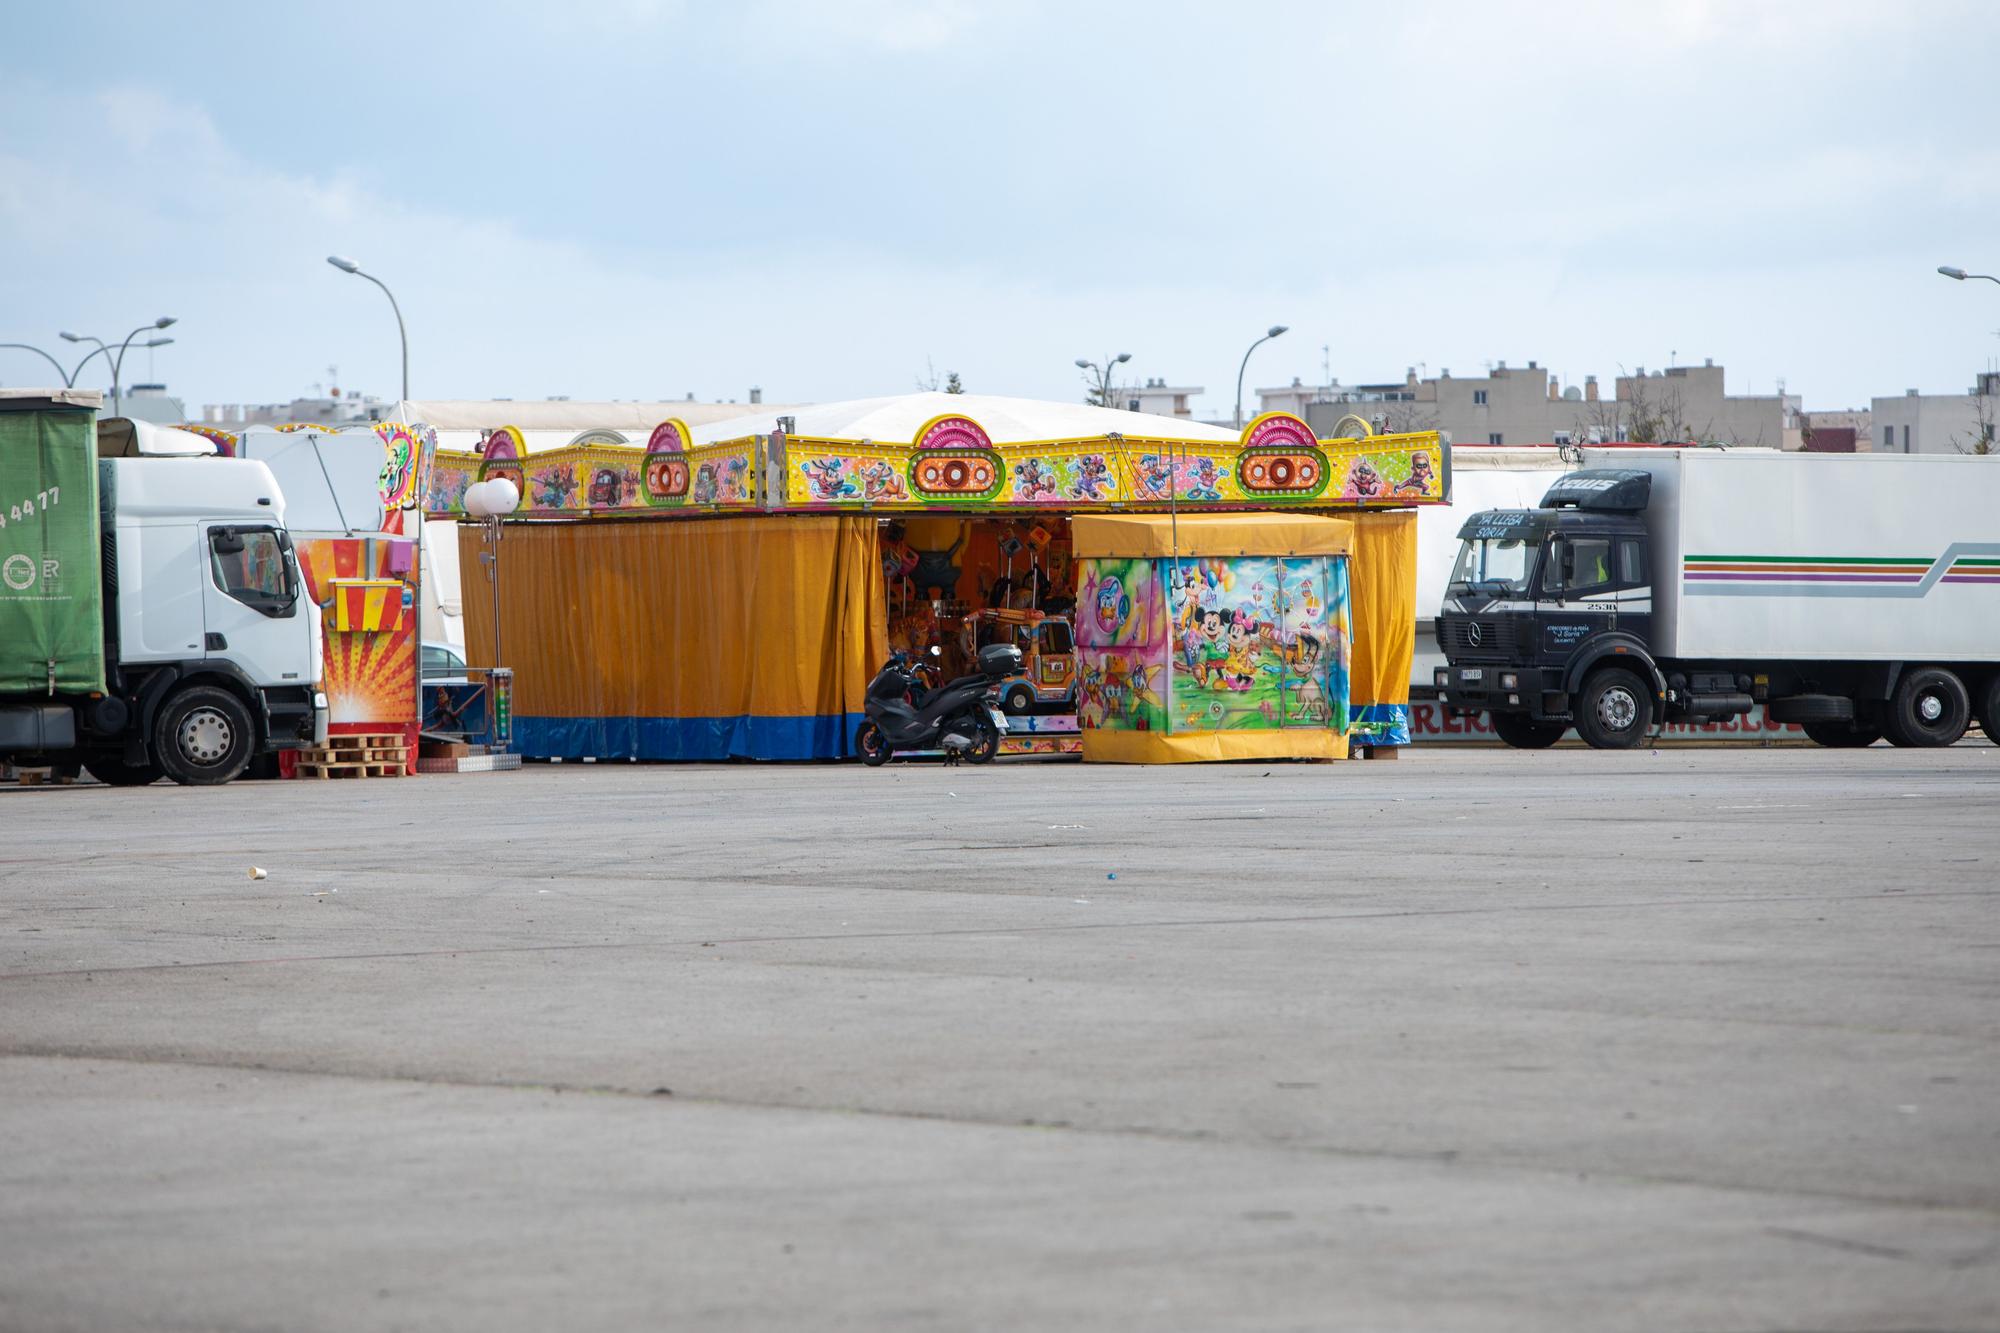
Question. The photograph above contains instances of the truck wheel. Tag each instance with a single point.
(117, 773)
(1615, 711)
(1989, 709)
(1841, 735)
(1524, 733)
(203, 737)
(1929, 708)
(1018, 700)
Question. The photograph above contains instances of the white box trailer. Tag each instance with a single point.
(1857, 595)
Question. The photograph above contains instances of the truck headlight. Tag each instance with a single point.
(1441, 677)
(1509, 681)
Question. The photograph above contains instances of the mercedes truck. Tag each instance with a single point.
(1857, 595)
(152, 615)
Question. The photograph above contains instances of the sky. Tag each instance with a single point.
(648, 198)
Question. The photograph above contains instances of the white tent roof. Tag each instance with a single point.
(1007, 420)
(570, 418)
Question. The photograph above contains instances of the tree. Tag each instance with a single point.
(1407, 418)
(928, 382)
(1981, 441)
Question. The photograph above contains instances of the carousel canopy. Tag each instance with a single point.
(1006, 420)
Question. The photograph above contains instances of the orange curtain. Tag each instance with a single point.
(1383, 585)
(683, 639)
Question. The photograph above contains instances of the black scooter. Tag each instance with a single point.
(961, 717)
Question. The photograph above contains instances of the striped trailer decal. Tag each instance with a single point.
(1839, 575)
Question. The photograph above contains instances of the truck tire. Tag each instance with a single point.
(1615, 710)
(1804, 708)
(1019, 699)
(1841, 735)
(1989, 708)
(114, 772)
(203, 736)
(1524, 733)
(1929, 708)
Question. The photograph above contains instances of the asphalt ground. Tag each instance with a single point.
(1484, 1040)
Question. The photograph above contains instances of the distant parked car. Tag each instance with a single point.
(443, 665)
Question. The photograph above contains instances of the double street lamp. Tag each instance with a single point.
(1271, 333)
(346, 265)
(1099, 377)
(117, 359)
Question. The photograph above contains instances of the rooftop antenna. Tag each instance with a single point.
(1326, 364)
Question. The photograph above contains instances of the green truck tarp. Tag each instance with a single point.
(51, 595)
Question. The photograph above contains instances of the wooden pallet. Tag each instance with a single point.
(359, 754)
(350, 769)
(367, 749)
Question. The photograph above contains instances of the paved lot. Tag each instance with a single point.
(1700, 1039)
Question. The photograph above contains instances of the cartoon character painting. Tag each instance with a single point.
(554, 486)
(1421, 479)
(880, 482)
(1363, 481)
(828, 479)
(1156, 476)
(1204, 480)
(1251, 643)
(1034, 479)
(1093, 478)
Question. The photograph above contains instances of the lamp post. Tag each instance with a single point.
(69, 380)
(1960, 275)
(490, 502)
(1101, 382)
(346, 265)
(1274, 331)
(118, 361)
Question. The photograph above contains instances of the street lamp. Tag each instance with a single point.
(1101, 382)
(490, 502)
(69, 381)
(118, 361)
(346, 265)
(1275, 330)
(1960, 275)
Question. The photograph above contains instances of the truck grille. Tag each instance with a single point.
(1496, 639)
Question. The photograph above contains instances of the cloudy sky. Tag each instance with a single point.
(640, 198)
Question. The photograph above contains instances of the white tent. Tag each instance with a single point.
(897, 420)
(460, 422)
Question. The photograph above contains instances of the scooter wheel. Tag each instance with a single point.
(986, 742)
(873, 745)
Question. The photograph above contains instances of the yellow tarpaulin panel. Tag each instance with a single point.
(1150, 536)
(1155, 747)
(1382, 581)
(710, 639)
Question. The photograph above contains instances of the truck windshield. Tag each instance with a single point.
(1496, 566)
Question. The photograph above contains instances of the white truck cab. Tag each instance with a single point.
(203, 543)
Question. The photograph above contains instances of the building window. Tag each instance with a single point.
(1562, 437)
(1479, 397)
(1888, 438)
(1906, 439)
(1493, 438)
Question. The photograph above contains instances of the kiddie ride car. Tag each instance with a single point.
(1047, 679)
(960, 717)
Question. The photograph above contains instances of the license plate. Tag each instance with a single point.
(1472, 673)
(999, 718)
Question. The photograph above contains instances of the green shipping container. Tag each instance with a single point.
(51, 592)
